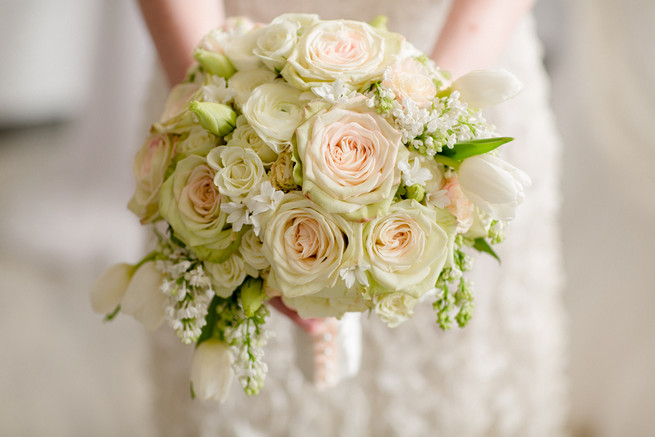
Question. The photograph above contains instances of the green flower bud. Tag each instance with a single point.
(217, 118)
(252, 295)
(214, 63)
(416, 192)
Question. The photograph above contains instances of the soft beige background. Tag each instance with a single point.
(64, 186)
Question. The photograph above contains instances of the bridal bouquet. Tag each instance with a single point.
(327, 163)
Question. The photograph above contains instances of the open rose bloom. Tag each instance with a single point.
(325, 164)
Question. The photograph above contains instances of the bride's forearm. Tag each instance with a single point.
(176, 26)
(476, 32)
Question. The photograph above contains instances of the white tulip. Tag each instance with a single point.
(493, 185)
(143, 298)
(211, 371)
(109, 289)
(482, 88)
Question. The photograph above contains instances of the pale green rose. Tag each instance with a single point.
(109, 289)
(211, 371)
(274, 110)
(239, 172)
(190, 203)
(245, 81)
(306, 246)
(394, 308)
(330, 302)
(143, 298)
(351, 51)
(348, 155)
(251, 251)
(408, 248)
(244, 136)
(226, 276)
(150, 165)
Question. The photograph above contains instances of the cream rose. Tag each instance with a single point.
(394, 308)
(243, 82)
(245, 136)
(305, 246)
(196, 138)
(150, 165)
(190, 203)
(409, 79)
(274, 110)
(408, 248)
(176, 117)
(281, 174)
(239, 49)
(226, 276)
(349, 156)
(351, 51)
(251, 251)
(238, 171)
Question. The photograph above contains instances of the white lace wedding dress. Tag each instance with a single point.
(503, 375)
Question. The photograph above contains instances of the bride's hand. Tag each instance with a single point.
(475, 33)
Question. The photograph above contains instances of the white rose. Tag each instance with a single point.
(251, 251)
(329, 302)
(226, 276)
(394, 308)
(351, 51)
(306, 246)
(143, 298)
(244, 81)
(245, 136)
(198, 137)
(211, 371)
(274, 110)
(408, 248)
(349, 156)
(238, 171)
(301, 21)
(109, 289)
(493, 185)
(482, 88)
(275, 42)
(239, 50)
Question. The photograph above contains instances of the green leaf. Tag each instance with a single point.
(208, 330)
(466, 149)
(481, 245)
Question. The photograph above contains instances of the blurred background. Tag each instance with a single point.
(70, 123)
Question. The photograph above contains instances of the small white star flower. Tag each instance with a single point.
(237, 214)
(355, 273)
(414, 174)
(336, 92)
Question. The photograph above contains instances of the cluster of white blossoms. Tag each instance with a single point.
(325, 163)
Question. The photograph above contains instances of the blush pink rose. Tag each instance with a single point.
(460, 206)
(411, 79)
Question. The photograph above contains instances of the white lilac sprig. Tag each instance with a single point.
(239, 322)
(454, 291)
(187, 287)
